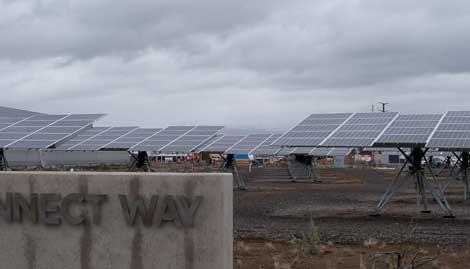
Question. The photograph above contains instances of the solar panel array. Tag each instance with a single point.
(315, 135)
(409, 130)
(313, 130)
(7, 121)
(320, 152)
(248, 144)
(82, 136)
(266, 148)
(100, 140)
(448, 132)
(8, 137)
(340, 152)
(381, 149)
(317, 152)
(161, 139)
(44, 131)
(285, 151)
(192, 139)
(301, 150)
(453, 131)
(134, 137)
(221, 144)
(360, 130)
(8, 112)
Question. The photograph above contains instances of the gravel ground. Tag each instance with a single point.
(339, 207)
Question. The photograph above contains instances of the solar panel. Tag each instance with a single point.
(313, 130)
(360, 130)
(44, 131)
(80, 137)
(453, 132)
(15, 113)
(409, 130)
(132, 138)
(248, 144)
(266, 148)
(380, 149)
(340, 152)
(101, 139)
(9, 120)
(285, 151)
(320, 152)
(9, 134)
(6, 122)
(221, 144)
(158, 141)
(192, 139)
(300, 150)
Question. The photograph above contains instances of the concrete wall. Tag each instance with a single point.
(58, 157)
(113, 243)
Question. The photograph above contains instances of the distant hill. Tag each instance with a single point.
(13, 112)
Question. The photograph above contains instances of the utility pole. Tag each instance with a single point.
(383, 106)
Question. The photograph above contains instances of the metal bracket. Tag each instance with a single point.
(230, 165)
(422, 183)
(3, 161)
(140, 161)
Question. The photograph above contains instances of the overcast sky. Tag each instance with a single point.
(246, 64)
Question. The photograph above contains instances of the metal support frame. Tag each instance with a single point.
(462, 166)
(231, 165)
(42, 158)
(289, 169)
(141, 161)
(309, 166)
(454, 167)
(447, 166)
(422, 183)
(3, 161)
(312, 169)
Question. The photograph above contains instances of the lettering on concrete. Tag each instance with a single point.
(85, 209)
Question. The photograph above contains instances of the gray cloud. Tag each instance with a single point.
(260, 65)
(83, 29)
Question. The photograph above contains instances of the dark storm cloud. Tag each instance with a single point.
(260, 64)
(37, 29)
(344, 44)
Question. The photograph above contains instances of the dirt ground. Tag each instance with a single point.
(272, 214)
(263, 254)
(340, 206)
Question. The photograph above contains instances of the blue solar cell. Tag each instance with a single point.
(313, 130)
(102, 139)
(248, 144)
(301, 150)
(221, 144)
(361, 130)
(320, 152)
(409, 130)
(41, 129)
(191, 140)
(453, 132)
(266, 148)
